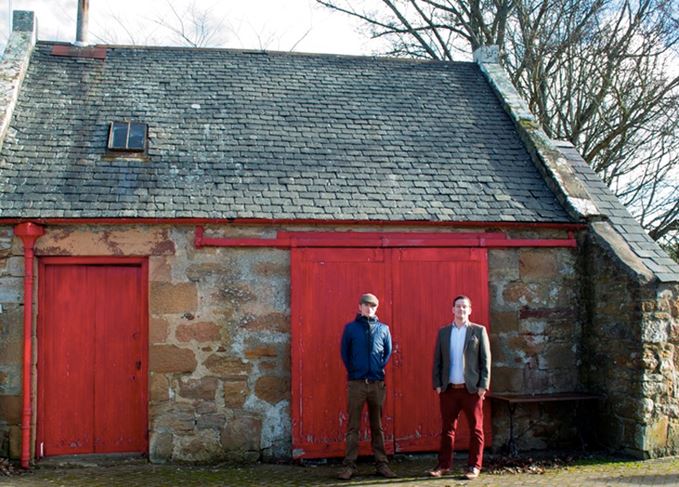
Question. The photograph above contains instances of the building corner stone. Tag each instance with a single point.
(14, 64)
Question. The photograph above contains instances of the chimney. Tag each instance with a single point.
(83, 18)
(487, 54)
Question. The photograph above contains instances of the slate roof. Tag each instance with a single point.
(650, 253)
(267, 135)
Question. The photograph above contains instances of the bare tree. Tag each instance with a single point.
(197, 24)
(595, 72)
(195, 27)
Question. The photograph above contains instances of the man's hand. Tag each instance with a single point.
(481, 392)
(438, 390)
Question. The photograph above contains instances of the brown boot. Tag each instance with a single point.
(384, 470)
(346, 473)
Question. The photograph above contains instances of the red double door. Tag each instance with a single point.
(415, 287)
(92, 356)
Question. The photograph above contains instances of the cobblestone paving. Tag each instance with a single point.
(411, 473)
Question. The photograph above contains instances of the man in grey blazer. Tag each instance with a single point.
(461, 376)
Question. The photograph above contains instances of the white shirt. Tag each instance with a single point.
(457, 336)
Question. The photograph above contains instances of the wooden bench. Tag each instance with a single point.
(513, 400)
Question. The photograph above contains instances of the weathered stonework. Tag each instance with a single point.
(219, 342)
(228, 308)
(272, 389)
(169, 358)
(92, 240)
(203, 332)
(535, 335)
(630, 348)
(167, 298)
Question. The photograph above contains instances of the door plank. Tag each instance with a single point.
(67, 353)
(119, 419)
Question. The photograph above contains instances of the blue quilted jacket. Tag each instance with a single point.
(366, 348)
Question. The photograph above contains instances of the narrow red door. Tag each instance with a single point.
(425, 282)
(326, 286)
(92, 356)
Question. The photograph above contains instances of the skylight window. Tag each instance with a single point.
(127, 136)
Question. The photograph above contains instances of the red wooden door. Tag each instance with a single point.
(415, 287)
(425, 282)
(326, 288)
(92, 356)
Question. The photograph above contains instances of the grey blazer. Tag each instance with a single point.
(476, 358)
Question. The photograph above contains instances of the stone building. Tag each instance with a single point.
(183, 233)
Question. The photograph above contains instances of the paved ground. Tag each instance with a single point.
(411, 470)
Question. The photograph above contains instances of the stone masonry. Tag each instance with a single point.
(219, 342)
(631, 353)
(535, 340)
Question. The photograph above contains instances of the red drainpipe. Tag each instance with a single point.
(29, 233)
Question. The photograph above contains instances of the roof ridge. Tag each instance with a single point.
(263, 52)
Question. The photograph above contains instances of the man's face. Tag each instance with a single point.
(462, 309)
(367, 309)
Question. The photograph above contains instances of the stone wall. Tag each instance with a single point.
(219, 343)
(11, 342)
(535, 340)
(630, 357)
(218, 340)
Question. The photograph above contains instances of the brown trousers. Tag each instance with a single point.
(360, 393)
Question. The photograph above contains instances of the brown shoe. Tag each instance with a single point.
(439, 472)
(384, 470)
(472, 473)
(346, 473)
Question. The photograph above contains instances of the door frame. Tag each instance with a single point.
(43, 262)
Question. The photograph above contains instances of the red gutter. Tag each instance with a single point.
(377, 239)
(288, 221)
(29, 233)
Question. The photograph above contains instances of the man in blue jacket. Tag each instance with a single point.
(366, 348)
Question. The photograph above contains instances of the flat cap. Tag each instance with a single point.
(369, 298)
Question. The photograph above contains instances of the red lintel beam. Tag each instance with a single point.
(377, 240)
(286, 221)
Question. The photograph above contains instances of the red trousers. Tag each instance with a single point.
(452, 402)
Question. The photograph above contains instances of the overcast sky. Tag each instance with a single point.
(250, 24)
